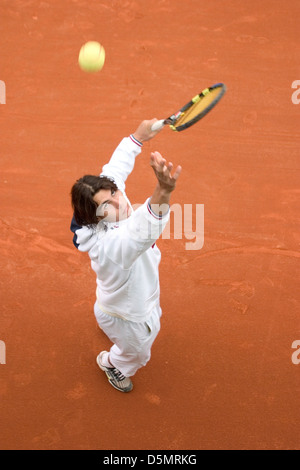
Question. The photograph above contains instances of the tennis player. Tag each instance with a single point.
(120, 242)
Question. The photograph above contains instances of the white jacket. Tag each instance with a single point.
(123, 254)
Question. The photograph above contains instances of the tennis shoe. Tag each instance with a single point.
(115, 377)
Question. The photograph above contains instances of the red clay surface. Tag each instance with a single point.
(221, 374)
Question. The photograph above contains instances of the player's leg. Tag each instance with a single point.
(112, 327)
(132, 342)
(132, 350)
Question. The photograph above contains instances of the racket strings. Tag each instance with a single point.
(197, 108)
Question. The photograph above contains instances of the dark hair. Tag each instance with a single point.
(82, 194)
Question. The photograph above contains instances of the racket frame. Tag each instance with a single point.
(175, 117)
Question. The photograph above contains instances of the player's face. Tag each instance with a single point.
(112, 206)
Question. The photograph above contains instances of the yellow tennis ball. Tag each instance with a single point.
(91, 57)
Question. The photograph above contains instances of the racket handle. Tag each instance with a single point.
(158, 125)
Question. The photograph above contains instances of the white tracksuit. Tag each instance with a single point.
(125, 259)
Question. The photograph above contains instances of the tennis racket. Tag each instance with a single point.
(194, 110)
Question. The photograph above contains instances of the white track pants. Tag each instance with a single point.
(132, 341)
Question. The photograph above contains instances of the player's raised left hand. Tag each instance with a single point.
(162, 170)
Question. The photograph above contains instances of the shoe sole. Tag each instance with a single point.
(127, 390)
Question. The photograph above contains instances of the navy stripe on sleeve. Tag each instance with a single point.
(137, 142)
(156, 216)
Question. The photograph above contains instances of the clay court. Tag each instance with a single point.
(221, 374)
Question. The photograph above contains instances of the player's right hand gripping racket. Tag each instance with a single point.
(193, 111)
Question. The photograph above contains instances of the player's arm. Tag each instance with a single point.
(166, 182)
(124, 245)
(122, 161)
